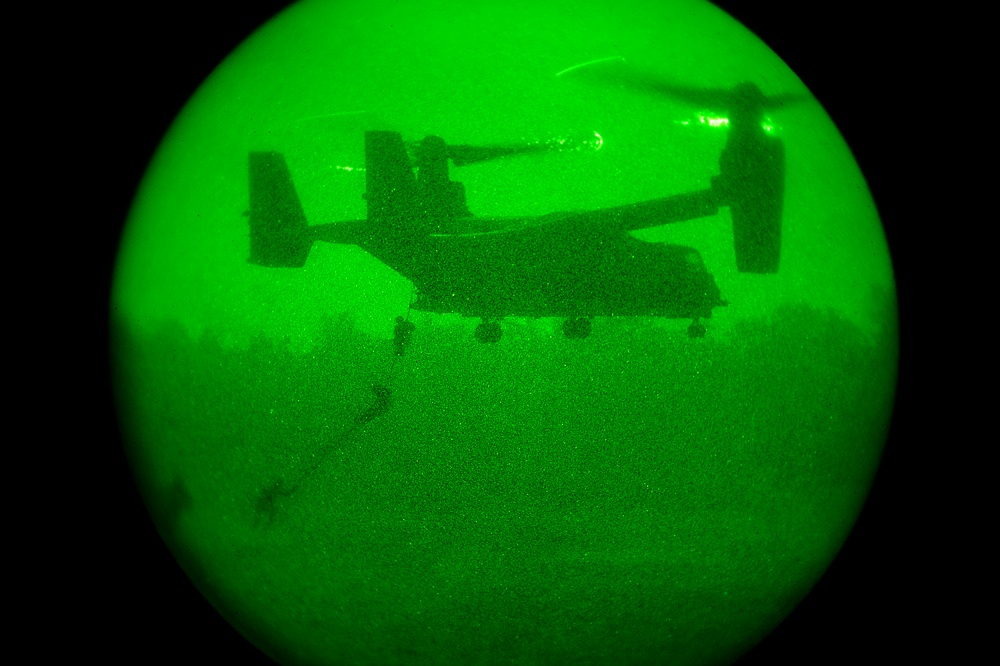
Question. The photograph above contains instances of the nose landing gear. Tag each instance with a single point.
(576, 329)
(489, 332)
(696, 329)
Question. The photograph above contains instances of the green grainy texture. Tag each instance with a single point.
(479, 76)
(631, 495)
(645, 494)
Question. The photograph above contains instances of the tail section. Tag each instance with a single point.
(391, 187)
(279, 232)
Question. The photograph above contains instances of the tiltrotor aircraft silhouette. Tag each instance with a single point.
(576, 265)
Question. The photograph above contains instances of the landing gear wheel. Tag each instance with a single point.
(576, 329)
(696, 329)
(489, 332)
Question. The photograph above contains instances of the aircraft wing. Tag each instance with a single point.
(651, 213)
(620, 219)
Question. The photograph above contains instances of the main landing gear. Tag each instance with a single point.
(696, 329)
(576, 329)
(489, 331)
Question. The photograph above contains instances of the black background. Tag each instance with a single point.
(132, 71)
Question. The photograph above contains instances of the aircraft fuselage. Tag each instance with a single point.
(562, 269)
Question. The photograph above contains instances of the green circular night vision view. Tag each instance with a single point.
(504, 332)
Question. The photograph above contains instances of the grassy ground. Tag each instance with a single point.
(635, 496)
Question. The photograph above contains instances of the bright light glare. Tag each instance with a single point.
(713, 121)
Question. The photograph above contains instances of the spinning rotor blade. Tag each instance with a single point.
(751, 179)
(432, 149)
(774, 102)
(463, 155)
(743, 96)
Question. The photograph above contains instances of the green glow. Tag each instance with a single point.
(540, 499)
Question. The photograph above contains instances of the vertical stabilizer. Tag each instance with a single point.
(279, 232)
(391, 188)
